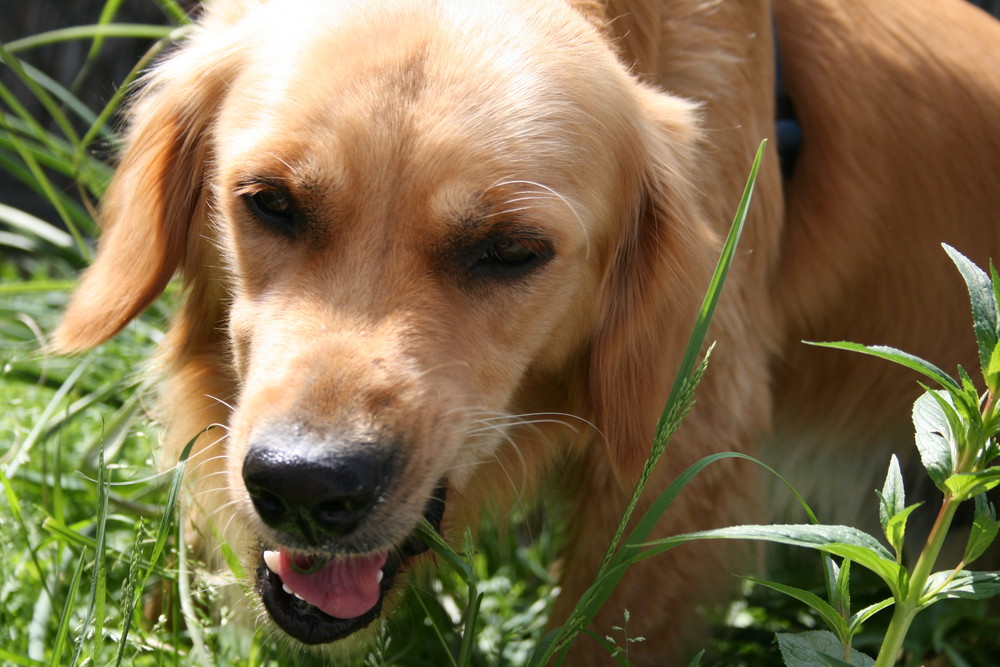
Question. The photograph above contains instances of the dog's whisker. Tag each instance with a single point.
(532, 419)
(507, 212)
(530, 422)
(232, 517)
(565, 201)
(202, 494)
(218, 473)
(224, 529)
(200, 465)
(221, 402)
(523, 464)
(207, 453)
(198, 455)
(516, 491)
(226, 505)
(196, 472)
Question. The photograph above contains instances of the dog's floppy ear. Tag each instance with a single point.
(155, 199)
(653, 287)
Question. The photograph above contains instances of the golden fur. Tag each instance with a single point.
(620, 133)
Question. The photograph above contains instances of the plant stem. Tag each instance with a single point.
(935, 541)
(908, 607)
(902, 616)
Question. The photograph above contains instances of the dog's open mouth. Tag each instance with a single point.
(320, 599)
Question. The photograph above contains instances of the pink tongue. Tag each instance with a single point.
(344, 587)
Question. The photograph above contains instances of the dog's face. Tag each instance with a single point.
(404, 235)
(422, 214)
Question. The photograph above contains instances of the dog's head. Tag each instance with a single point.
(410, 224)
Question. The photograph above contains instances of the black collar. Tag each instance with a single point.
(787, 128)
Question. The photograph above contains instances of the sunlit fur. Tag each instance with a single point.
(622, 131)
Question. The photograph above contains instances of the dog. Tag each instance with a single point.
(438, 255)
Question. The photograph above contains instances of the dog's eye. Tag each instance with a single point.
(509, 252)
(509, 258)
(274, 207)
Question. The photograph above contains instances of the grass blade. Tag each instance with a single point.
(42, 181)
(684, 382)
(107, 16)
(98, 581)
(173, 11)
(133, 30)
(131, 593)
(677, 404)
(19, 453)
(35, 227)
(59, 645)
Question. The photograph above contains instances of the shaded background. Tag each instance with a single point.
(63, 62)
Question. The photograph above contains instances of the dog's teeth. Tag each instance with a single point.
(287, 589)
(271, 560)
(379, 576)
(299, 596)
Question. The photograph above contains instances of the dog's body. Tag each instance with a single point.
(457, 245)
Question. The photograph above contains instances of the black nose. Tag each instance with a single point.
(312, 488)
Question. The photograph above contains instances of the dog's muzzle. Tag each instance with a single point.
(324, 582)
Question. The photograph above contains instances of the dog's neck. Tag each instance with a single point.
(708, 52)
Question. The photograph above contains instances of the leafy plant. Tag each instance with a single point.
(956, 434)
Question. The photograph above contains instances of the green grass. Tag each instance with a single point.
(83, 512)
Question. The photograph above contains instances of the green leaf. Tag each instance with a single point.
(993, 369)
(826, 611)
(814, 649)
(893, 496)
(898, 356)
(896, 530)
(842, 591)
(612, 568)
(959, 409)
(855, 622)
(985, 315)
(843, 541)
(934, 437)
(838, 584)
(967, 485)
(963, 585)
(968, 385)
(984, 530)
(833, 662)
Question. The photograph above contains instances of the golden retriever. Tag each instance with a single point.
(438, 253)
